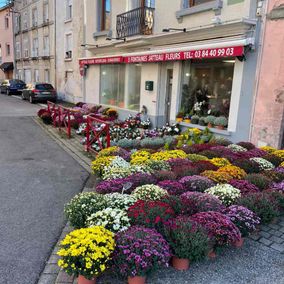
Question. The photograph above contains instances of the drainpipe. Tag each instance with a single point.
(259, 63)
(85, 52)
(55, 45)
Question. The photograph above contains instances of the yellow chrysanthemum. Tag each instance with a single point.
(220, 162)
(268, 149)
(234, 171)
(279, 153)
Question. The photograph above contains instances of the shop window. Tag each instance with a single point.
(120, 86)
(206, 87)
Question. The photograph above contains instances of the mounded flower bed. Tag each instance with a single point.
(180, 203)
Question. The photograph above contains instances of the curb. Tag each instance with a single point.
(51, 273)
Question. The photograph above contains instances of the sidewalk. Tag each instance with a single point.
(260, 261)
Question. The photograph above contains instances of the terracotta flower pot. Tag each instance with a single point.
(239, 244)
(212, 254)
(221, 127)
(83, 280)
(180, 263)
(209, 125)
(137, 280)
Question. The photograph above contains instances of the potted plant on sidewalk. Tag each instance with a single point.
(138, 252)
(86, 252)
(188, 241)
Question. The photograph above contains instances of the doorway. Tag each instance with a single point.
(168, 98)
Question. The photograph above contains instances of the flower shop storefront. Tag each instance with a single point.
(197, 86)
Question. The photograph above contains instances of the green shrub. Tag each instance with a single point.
(152, 143)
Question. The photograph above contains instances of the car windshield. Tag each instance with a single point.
(17, 82)
(44, 87)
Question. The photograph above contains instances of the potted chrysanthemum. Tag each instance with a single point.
(86, 253)
(138, 252)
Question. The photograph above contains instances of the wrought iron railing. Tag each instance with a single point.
(139, 21)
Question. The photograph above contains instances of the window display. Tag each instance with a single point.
(206, 89)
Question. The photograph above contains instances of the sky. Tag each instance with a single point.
(2, 3)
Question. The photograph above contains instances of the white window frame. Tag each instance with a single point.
(69, 10)
(45, 12)
(34, 17)
(46, 49)
(68, 46)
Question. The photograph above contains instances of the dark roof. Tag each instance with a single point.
(6, 66)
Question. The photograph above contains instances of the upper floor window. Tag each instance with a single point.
(6, 23)
(34, 17)
(45, 13)
(8, 49)
(25, 20)
(68, 9)
(68, 46)
(191, 3)
(17, 23)
(46, 45)
(18, 50)
(105, 15)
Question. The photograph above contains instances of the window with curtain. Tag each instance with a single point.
(208, 83)
(120, 85)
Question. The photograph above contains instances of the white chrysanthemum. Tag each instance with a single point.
(263, 164)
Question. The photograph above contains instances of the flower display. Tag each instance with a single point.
(221, 230)
(243, 218)
(149, 192)
(244, 186)
(247, 145)
(209, 154)
(218, 177)
(114, 185)
(275, 176)
(262, 204)
(140, 157)
(83, 205)
(268, 149)
(234, 171)
(172, 187)
(140, 251)
(236, 148)
(150, 214)
(278, 186)
(256, 152)
(263, 164)
(110, 151)
(203, 166)
(259, 180)
(196, 183)
(186, 238)
(100, 163)
(194, 202)
(249, 166)
(275, 160)
(115, 220)
(165, 175)
(220, 162)
(139, 179)
(170, 154)
(197, 157)
(184, 170)
(86, 251)
(158, 165)
(119, 201)
(225, 192)
(177, 162)
(279, 153)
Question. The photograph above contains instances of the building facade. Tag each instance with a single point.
(69, 37)
(6, 43)
(268, 115)
(34, 32)
(184, 57)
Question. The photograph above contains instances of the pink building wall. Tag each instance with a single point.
(268, 119)
(6, 37)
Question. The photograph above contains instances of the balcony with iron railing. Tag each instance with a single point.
(139, 21)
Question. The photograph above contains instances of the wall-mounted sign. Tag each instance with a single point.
(149, 85)
(232, 51)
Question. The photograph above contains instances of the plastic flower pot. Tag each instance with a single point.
(137, 280)
(187, 120)
(179, 119)
(212, 254)
(239, 244)
(180, 263)
(83, 280)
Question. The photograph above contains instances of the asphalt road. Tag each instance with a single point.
(36, 179)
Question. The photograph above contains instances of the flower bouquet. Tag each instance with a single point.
(86, 253)
(138, 252)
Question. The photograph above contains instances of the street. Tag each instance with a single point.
(37, 178)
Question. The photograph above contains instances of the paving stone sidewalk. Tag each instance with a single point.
(272, 235)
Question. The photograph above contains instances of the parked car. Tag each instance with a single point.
(42, 92)
(12, 86)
